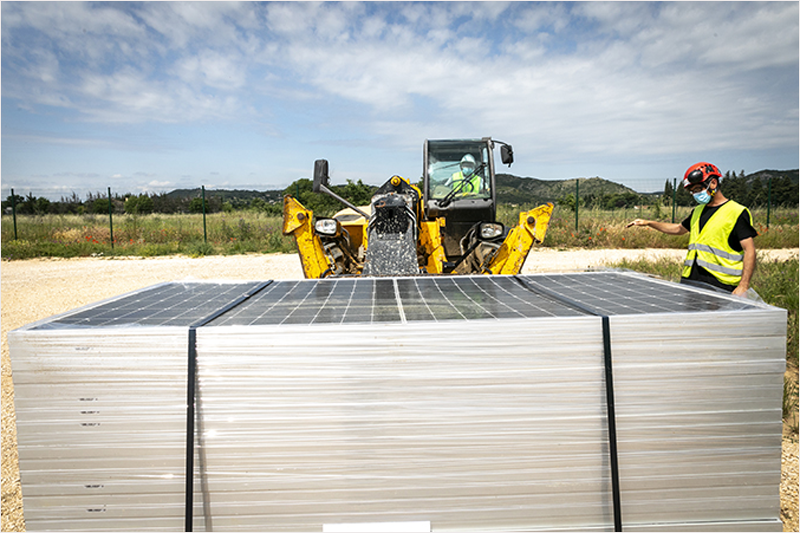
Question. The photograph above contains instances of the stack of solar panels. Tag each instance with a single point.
(456, 403)
(100, 398)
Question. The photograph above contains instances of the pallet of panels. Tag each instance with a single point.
(100, 397)
(563, 401)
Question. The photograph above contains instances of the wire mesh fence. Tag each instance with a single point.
(209, 223)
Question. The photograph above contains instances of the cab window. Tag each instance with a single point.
(445, 170)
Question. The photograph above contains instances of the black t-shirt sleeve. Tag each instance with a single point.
(741, 231)
(687, 223)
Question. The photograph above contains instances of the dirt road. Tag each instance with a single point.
(36, 289)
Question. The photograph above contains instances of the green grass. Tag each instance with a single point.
(790, 404)
(256, 232)
(144, 235)
(606, 229)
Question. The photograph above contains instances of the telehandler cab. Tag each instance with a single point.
(449, 227)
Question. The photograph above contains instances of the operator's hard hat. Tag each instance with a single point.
(700, 173)
(467, 164)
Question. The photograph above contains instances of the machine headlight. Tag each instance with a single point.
(327, 226)
(491, 230)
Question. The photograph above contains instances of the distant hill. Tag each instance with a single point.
(510, 189)
(764, 175)
(235, 197)
(515, 190)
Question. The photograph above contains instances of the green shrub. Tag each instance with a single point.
(199, 249)
(790, 404)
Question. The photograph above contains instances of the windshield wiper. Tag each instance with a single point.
(449, 197)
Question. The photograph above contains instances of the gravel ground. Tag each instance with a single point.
(40, 288)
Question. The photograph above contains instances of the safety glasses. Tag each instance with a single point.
(695, 177)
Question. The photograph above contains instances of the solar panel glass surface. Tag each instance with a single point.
(408, 299)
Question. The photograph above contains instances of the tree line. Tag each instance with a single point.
(756, 190)
(607, 201)
(753, 191)
(167, 203)
(98, 204)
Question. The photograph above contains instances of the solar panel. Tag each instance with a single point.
(412, 299)
(166, 304)
(620, 293)
(367, 300)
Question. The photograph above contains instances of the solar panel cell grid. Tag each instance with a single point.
(417, 299)
(169, 304)
(349, 301)
(611, 293)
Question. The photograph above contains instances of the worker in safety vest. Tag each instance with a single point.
(466, 174)
(721, 249)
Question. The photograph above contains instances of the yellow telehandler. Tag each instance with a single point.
(449, 227)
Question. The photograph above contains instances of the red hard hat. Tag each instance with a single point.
(700, 173)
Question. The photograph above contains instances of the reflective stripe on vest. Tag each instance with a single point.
(710, 249)
(717, 252)
(473, 183)
(713, 267)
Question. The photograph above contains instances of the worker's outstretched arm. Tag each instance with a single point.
(749, 249)
(664, 227)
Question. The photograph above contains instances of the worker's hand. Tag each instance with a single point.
(740, 291)
(638, 222)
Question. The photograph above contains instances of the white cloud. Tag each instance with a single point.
(183, 23)
(110, 66)
(288, 19)
(373, 27)
(213, 69)
(540, 16)
(369, 57)
(594, 79)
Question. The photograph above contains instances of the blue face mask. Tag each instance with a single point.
(702, 197)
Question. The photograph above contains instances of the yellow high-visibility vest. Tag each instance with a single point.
(710, 248)
(473, 183)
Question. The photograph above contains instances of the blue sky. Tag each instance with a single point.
(153, 96)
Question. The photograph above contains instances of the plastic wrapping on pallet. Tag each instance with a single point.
(474, 402)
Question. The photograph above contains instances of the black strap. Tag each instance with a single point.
(191, 397)
(609, 379)
(532, 286)
(190, 403)
(612, 425)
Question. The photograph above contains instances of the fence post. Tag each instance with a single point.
(110, 218)
(205, 232)
(577, 195)
(14, 213)
(674, 197)
(769, 198)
